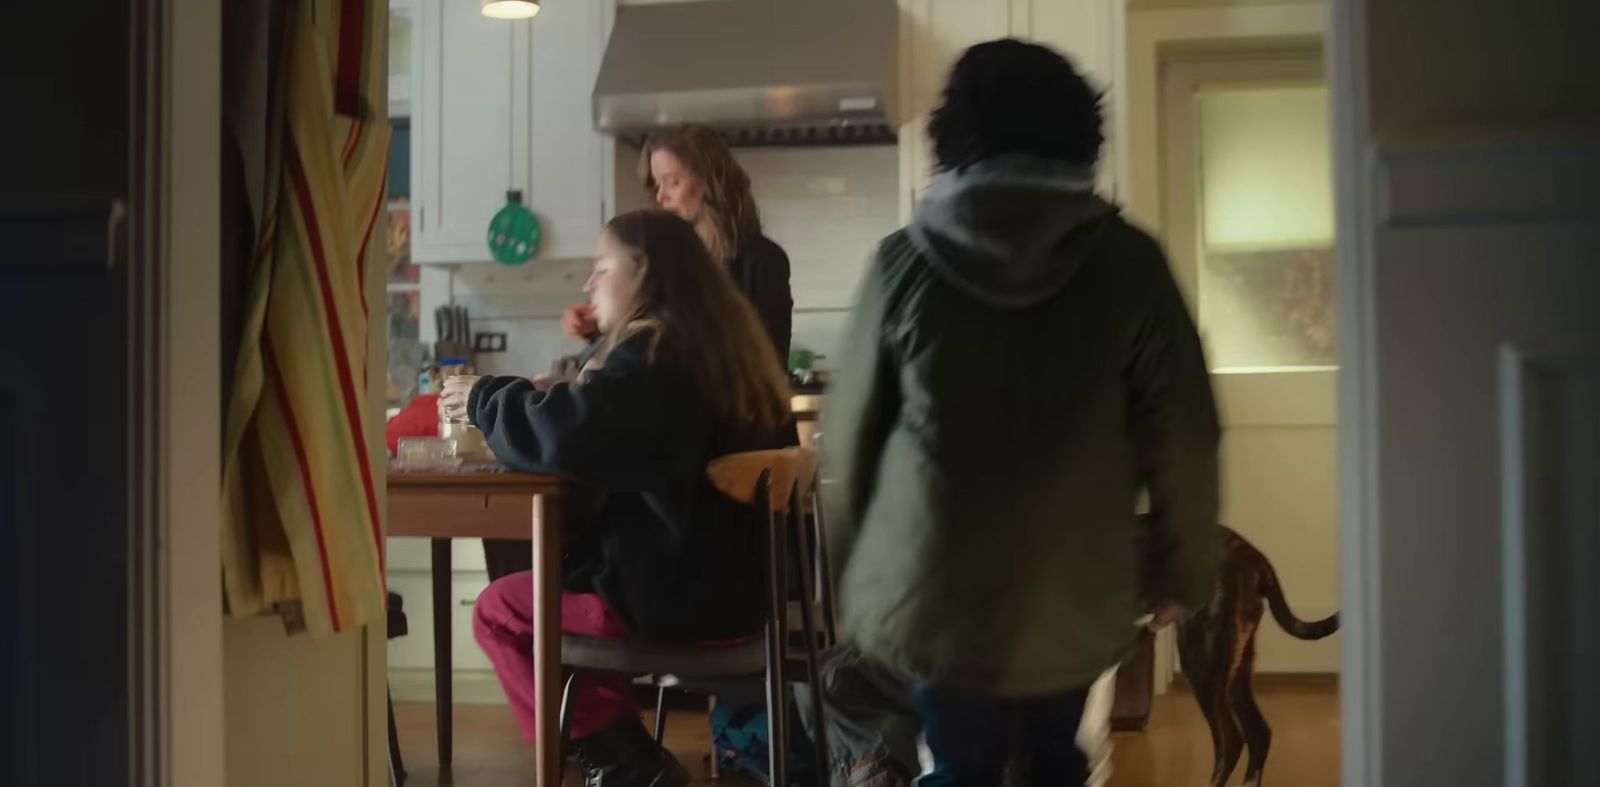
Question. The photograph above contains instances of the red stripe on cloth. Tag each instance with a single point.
(366, 237)
(303, 461)
(352, 52)
(264, 244)
(352, 405)
(356, 128)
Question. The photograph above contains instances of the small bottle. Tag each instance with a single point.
(427, 374)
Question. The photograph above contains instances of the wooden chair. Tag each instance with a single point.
(782, 483)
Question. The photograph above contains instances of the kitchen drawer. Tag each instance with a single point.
(416, 554)
(406, 554)
(464, 593)
(415, 650)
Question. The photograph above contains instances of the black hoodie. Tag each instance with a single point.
(676, 560)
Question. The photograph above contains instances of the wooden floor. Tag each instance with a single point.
(1175, 750)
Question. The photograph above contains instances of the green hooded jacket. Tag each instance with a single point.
(1020, 366)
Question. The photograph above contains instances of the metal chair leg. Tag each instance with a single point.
(808, 626)
(777, 630)
(830, 623)
(661, 713)
(566, 716)
(777, 713)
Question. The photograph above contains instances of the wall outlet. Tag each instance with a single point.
(489, 342)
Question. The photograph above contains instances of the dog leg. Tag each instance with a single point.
(1257, 734)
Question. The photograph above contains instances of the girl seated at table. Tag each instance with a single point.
(652, 551)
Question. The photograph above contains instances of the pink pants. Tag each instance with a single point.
(502, 622)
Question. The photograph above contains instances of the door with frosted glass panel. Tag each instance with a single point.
(1248, 224)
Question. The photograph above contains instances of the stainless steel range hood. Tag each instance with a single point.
(779, 72)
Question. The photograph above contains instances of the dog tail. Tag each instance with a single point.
(1297, 628)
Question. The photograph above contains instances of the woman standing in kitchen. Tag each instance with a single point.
(690, 172)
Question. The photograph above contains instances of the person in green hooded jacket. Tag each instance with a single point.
(1021, 366)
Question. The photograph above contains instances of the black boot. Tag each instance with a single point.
(624, 755)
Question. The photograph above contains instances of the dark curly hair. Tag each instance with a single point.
(1010, 96)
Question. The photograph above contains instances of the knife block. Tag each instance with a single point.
(443, 349)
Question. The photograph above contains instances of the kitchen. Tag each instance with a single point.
(826, 205)
(551, 110)
(1463, 367)
(827, 202)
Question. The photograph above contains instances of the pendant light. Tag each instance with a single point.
(510, 9)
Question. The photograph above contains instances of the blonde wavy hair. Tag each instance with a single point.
(729, 206)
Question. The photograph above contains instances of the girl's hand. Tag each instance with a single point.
(578, 322)
(453, 397)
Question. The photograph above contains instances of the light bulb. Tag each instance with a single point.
(510, 9)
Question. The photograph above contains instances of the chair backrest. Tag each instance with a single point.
(738, 475)
(795, 522)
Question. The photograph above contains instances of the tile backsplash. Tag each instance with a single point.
(827, 207)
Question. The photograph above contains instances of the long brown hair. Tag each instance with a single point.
(729, 206)
(700, 319)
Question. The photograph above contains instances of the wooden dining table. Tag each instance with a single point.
(478, 503)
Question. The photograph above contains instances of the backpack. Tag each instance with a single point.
(739, 737)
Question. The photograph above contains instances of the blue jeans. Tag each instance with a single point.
(973, 738)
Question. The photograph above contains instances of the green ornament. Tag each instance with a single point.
(514, 232)
(801, 359)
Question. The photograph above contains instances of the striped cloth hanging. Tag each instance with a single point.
(303, 522)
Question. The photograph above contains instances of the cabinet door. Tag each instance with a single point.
(464, 590)
(933, 35)
(1090, 32)
(415, 650)
(1084, 30)
(564, 150)
(464, 107)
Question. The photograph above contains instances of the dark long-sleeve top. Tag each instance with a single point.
(761, 269)
(676, 560)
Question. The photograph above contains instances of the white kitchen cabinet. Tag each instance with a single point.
(1087, 31)
(465, 653)
(416, 554)
(568, 178)
(1090, 33)
(502, 105)
(464, 134)
(934, 33)
(414, 651)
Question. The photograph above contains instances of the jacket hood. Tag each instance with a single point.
(1012, 230)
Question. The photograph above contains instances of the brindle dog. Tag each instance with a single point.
(1217, 645)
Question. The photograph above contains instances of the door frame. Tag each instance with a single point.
(1361, 678)
(178, 718)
